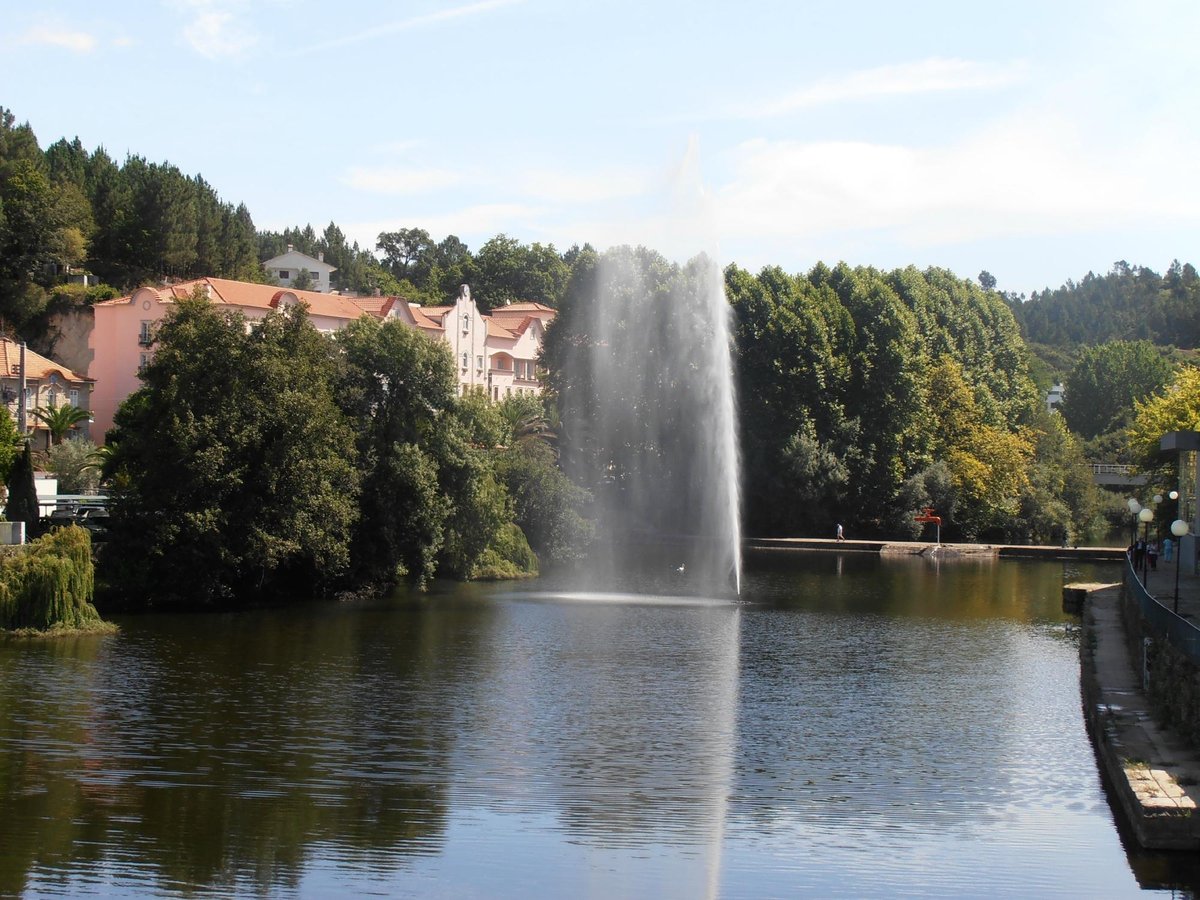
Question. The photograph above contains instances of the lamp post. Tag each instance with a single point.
(1146, 516)
(1134, 509)
(1178, 528)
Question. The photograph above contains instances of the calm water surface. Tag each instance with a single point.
(854, 727)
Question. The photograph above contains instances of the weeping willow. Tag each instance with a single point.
(50, 584)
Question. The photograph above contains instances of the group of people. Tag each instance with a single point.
(1142, 550)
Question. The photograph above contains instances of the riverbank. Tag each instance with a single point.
(1153, 775)
(919, 548)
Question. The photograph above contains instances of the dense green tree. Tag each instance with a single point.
(1107, 381)
(507, 271)
(233, 480)
(400, 387)
(22, 504)
(75, 463)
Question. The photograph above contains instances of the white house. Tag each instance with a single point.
(1054, 397)
(286, 267)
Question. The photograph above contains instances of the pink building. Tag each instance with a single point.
(495, 353)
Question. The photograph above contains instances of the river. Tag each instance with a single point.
(852, 726)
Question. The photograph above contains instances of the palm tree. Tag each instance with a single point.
(61, 419)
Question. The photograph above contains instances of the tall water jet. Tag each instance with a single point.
(644, 377)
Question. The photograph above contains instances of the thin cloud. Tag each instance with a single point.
(1004, 181)
(48, 35)
(435, 18)
(400, 180)
(215, 34)
(927, 76)
(482, 219)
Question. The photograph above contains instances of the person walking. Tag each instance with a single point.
(1168, 549)
(1152, 554)
(841, 535)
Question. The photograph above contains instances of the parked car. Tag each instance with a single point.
(60, 517)
(95, 520)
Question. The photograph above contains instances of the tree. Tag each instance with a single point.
(1174, 408)
(1107, 382)
(406, 253)
(232, 481)
(399, 386)
(61, 419)
(303, 280)
(987, 280)
(76, 465)
(22, 505)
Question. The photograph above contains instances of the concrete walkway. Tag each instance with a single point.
(1154, 775)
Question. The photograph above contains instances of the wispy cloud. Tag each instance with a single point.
(542, 185)
(392, 180)
(390, 28)
(483, 218)
(52, 36)
(216, 30)
(926, 76)
(1036, 179)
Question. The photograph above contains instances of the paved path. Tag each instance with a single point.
(1155, 776)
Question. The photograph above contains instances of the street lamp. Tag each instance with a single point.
(1146, 516)
(1134, 509)
(1178, 528)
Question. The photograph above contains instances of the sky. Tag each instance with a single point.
(1036, 140)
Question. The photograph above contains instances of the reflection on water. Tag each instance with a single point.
(853, 727)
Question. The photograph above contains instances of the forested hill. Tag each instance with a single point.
(1129, 303)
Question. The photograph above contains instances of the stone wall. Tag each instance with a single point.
(1174, 680)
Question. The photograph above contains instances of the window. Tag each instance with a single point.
(144, 333)
(73, 397)
(466, 322)
(284, 275)
(479, 362)
(143, 361)
(466, 360)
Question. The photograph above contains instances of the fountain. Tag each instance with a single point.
(648, 412)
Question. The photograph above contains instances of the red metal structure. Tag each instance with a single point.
(929, 516)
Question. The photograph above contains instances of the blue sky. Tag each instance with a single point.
(1037, 140)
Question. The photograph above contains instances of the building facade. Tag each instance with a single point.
(495, 353)
(48, 385)
(286, 268)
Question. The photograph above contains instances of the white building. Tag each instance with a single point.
(1054, 397)
(286, 268)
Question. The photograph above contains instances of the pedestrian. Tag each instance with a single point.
(1139, 551)
(1168, 549)
(841, 535)
(1152, 554)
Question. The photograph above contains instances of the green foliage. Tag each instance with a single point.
(11, 443)
(1128, 303)
(866, 395)
(399, 387)
(1106, 383)
(49, 585)
(75, 463)
(233, 469)
(22, 505)
(509, 556)
(61, 419)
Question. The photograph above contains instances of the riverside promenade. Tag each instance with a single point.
(920, 548)
(1152, 774)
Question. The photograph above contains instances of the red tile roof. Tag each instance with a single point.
(36, 366)
(253, 296)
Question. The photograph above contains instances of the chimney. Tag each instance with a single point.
(320, 256)
(290, 248)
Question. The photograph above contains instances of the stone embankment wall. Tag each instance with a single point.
(1173, 685)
